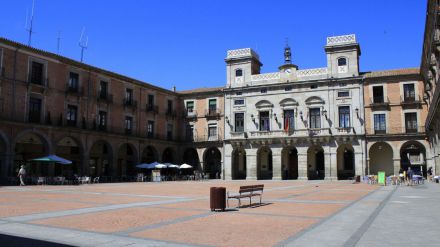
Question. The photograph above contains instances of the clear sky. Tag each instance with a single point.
(184, 43)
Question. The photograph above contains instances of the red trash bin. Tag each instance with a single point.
(217, 198)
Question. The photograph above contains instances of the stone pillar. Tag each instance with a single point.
(396, 165)
(302, 163)
(251, 164)
(330, 165)
(276, 163)
(358, 164)
(227, 162)
(84, 170)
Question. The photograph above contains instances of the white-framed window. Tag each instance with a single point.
(343, 94)
(342, 65)
(239, 122)
(238, 73)
(239, 102)
(212, 132)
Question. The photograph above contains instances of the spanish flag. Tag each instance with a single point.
(286, 123)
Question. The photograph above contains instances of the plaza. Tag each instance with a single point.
(178, 214)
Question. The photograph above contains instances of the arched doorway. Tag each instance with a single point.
(264, 163)
(238, 163)
(346, 167)
(149, 155)
(191, 157)
(70, 149)
(289, 163)
(127, 161)
(30, 146)
(168, 156)
(413, 154)
(100, 159)
(381, 158)
(315, 163)
(212, 163)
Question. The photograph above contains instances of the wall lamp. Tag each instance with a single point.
(227, 119)
(275, 116)
(357, 112)
(324, 113)
(253, 118)
(301, 115)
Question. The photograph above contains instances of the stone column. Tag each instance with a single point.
(396, 165)
(251, 164)
(302, 163)
(330, 165)
(358, 164)
(228, 162)
(276, 163)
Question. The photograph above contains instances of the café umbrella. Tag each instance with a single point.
(53, 158)
(185, 166)
(169, 165)
(148, 165)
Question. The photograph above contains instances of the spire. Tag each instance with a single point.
(287, 53)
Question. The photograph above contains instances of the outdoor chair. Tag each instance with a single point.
(96, 180)
(41, 180)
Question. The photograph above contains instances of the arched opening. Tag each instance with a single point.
(70, 149)
(100, 159)
(191, 157)
(413, 154)
(149, 155)
(238, 163)
(381, 158)
(212, 164)
(127, 161)
(289, 163)
(168, 156)
(315, 163)
(264, 163)
(30, 146)
(346, 167)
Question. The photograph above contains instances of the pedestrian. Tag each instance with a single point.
(409, 174)
(430, 174)
(21, 175)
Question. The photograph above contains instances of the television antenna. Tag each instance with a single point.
(29, 27)
(58, 42)
(83, 42)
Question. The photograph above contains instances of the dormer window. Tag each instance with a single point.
(239, 72)
(342, 65)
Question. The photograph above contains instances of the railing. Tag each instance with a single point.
(267, 76)
(73, 90)
(417, 130)
(311, 72)
(130, 102)
(170, 113)
(208, 138)
(105, 97)
(345, 130)
(343, 39)
(152, 108)
(190, 114)
(241, 53)
(43, 81)
(319, 131)
(238, 135)
(212, 113)
(410, 100)
(379, 101)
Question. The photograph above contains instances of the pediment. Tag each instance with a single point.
(288, 102)
(314, 100)
(263, 104)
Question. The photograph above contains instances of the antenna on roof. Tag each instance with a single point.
(31, 20)
(58, 42)
(83, 41)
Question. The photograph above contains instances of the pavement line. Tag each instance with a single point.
(310, 201)
(364, 227)
(280, 215)
(38, 216)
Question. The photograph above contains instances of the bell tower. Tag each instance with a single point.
(240, 65)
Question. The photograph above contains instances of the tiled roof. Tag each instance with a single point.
(393, 72)
(202, 90)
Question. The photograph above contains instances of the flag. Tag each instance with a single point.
(286, 123)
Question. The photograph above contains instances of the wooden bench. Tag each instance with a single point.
(247, 191)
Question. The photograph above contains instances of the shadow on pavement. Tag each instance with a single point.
(13, 241)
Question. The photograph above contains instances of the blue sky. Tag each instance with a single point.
(184, 43)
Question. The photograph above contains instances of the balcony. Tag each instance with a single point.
(411, 102)
(39, 81)
(74, 90)
(212, 113)
(105, 97)
(208, 138)
(190, 114)
(319, 131)
(238, 135)
(379, 102)
(345, 130)
(130, 103)
(170, 113)
(152, 108)
(414, 130)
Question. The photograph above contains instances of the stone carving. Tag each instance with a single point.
(344, 39)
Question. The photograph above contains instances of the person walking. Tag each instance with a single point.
(409, 174)
(429, 174)
(21, 175)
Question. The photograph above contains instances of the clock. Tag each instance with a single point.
(288, 71)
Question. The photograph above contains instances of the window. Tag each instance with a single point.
(36, 76)
(212, 106)
(73, 81)
(189, 132)
(343, 94)
(378, 96)
(289, 120)
(170, 106)
(263, 90)
(190, 106)
(150, 129)
(313, 86)
(239, 93)
(238, 72)
(150, 104)
(342, 61)
(238, 102)
(409, 93)
(264, 121)
(344, 116)
(288, 88)
(315, 118)
(71, 117)
(128, 96)
(34, 110)
(128, 125)
(212, 132)
(239, 122)
(169, 131)
(103, 87)
(411, 122)
(102, 120)
(379, 124)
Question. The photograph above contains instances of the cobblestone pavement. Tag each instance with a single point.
(308, 213)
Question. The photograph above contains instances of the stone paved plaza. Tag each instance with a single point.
(294, 213)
